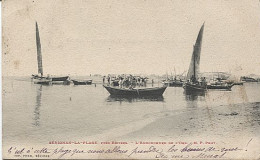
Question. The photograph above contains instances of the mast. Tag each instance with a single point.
(39, 54)
(194, 66)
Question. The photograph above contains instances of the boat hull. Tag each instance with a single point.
(220, 87)
(60, 78)
(157, 91)
(88, 82)
(43, 81)
(189, 87)
(65, 78)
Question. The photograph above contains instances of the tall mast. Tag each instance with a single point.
(39, 54)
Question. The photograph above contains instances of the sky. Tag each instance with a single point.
(83, 37)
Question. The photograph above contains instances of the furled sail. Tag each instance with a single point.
(39, 54)
(195, 59)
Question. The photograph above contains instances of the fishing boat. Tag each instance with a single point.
(192, 84)
(219, 84)
(82, 82)
(40, 78)
(156, 91)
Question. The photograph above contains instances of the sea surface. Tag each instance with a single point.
(38, 114)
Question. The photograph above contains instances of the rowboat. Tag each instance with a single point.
(155, 91)
(82, 82)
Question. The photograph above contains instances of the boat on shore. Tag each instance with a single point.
(192, 84)
(82, 82)
(155, 91)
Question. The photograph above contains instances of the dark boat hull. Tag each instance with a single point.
(60, 78)
(53, 78)
(188, 87)
(220, 87)
(158, 91)
(88, 82)
(43, 81)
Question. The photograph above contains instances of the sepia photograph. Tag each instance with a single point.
(136, 79)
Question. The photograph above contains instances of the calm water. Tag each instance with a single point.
(39, 114)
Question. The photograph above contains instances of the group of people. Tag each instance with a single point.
(125, 81)
(202, 81)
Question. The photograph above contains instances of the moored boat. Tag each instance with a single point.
(56, 78)
(40, 78)
(220, 86)
(82, 82)
(44, 81)
(247, 79)
(64, 78)
(155, 91)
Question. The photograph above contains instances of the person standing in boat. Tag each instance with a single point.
(108, 79)
(120, 82)
(104, 78)
(203, 81)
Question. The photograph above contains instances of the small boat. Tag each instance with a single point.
(220, 86)
(44, 81)
(238, 83)
(59, 78)
(247, 79)
(192, 84)
(235, 83)
(65, 78)
(156, 91)
(82, 82)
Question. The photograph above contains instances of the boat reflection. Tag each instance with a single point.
(130, 99)
(194, 95)
(37, 106)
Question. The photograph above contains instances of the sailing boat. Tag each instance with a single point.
(40, 79)
(192, 83)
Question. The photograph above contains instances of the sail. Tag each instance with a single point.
(195, 59)
(39, 54)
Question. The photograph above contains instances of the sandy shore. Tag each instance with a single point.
(229, 121)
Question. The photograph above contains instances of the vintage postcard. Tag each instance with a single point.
(136, 79)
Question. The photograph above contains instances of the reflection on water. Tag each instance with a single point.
(192, 96)
(112, 98)
(37, 106)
